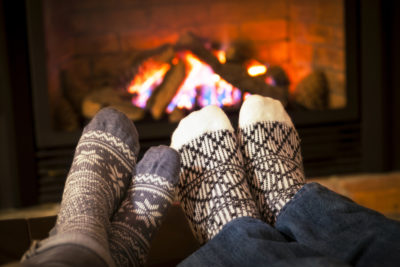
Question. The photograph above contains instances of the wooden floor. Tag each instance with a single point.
(380, 192)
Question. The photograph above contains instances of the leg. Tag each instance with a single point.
(141, 213)
(271, 149)
(212, 187)
(98, 179)
(251, 242)
(217, 200)
(313, 216)
(338, 227)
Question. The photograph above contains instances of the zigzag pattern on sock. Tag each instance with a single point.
(138, 218)
(212, 189)
(273, 164)
(96, 183)
(113, 143)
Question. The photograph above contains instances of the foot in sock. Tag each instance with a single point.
(212, 187)
(141, 213)
(97, 181)
(271, 149)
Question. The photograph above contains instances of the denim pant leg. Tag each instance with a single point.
(250, 242)
(336, 226)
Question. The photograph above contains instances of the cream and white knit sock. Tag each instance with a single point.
(212, 187)
(271, 149)
(147, 201)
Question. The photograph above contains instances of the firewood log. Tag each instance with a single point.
(165, 92)
(234, 73)
(108, 97)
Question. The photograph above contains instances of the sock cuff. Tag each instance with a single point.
(78, 239)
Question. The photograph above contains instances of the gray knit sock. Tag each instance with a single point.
(99, 176)
(212, 188)
(271, 149)
(141, 213)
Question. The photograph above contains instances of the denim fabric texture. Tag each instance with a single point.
(316, 228)
(250, 242)
(337, 227)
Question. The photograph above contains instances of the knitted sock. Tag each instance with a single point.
(148, 198)
(271, 149)
(99, 176)
(212, 188)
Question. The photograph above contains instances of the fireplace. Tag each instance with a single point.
(310, 50)
(306, 39)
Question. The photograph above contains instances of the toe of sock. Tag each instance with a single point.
(162, 161)
(208, 119)
(117, 124)
(260, 109)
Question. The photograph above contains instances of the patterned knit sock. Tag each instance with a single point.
(271, 149)
(212, 188)
(148, 198)
(97, 181)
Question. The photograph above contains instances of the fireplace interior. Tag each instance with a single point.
(157, 61)
(301, 43)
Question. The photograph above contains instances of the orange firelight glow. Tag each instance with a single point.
(220, 54)
(149, 76)
(255, 68)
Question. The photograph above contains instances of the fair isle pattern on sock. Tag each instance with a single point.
(138, 219)
(273, 164)
(98, 178)
(212, 189)
(141, 213)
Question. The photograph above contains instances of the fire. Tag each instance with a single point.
(220, 54)
(255, 68)
(203, 85)
(151, 73)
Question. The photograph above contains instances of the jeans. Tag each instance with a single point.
(316, 228)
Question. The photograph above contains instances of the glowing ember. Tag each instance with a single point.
(203, 83)
(149, 76)
(220, 54)
(255, 68)
(246, 95)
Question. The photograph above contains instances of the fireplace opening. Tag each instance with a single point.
(159, 60)
(92, 46)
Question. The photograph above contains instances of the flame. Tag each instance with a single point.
(203, 85)
(246, 95)
(255, 68)
(220, 54)
(150, 75)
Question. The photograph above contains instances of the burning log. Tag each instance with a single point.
(176, 115)
(312, 92)
(108, 97)
(164, 93)
(233, 73)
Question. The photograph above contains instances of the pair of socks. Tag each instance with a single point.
(111, 207)
(226, 175)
